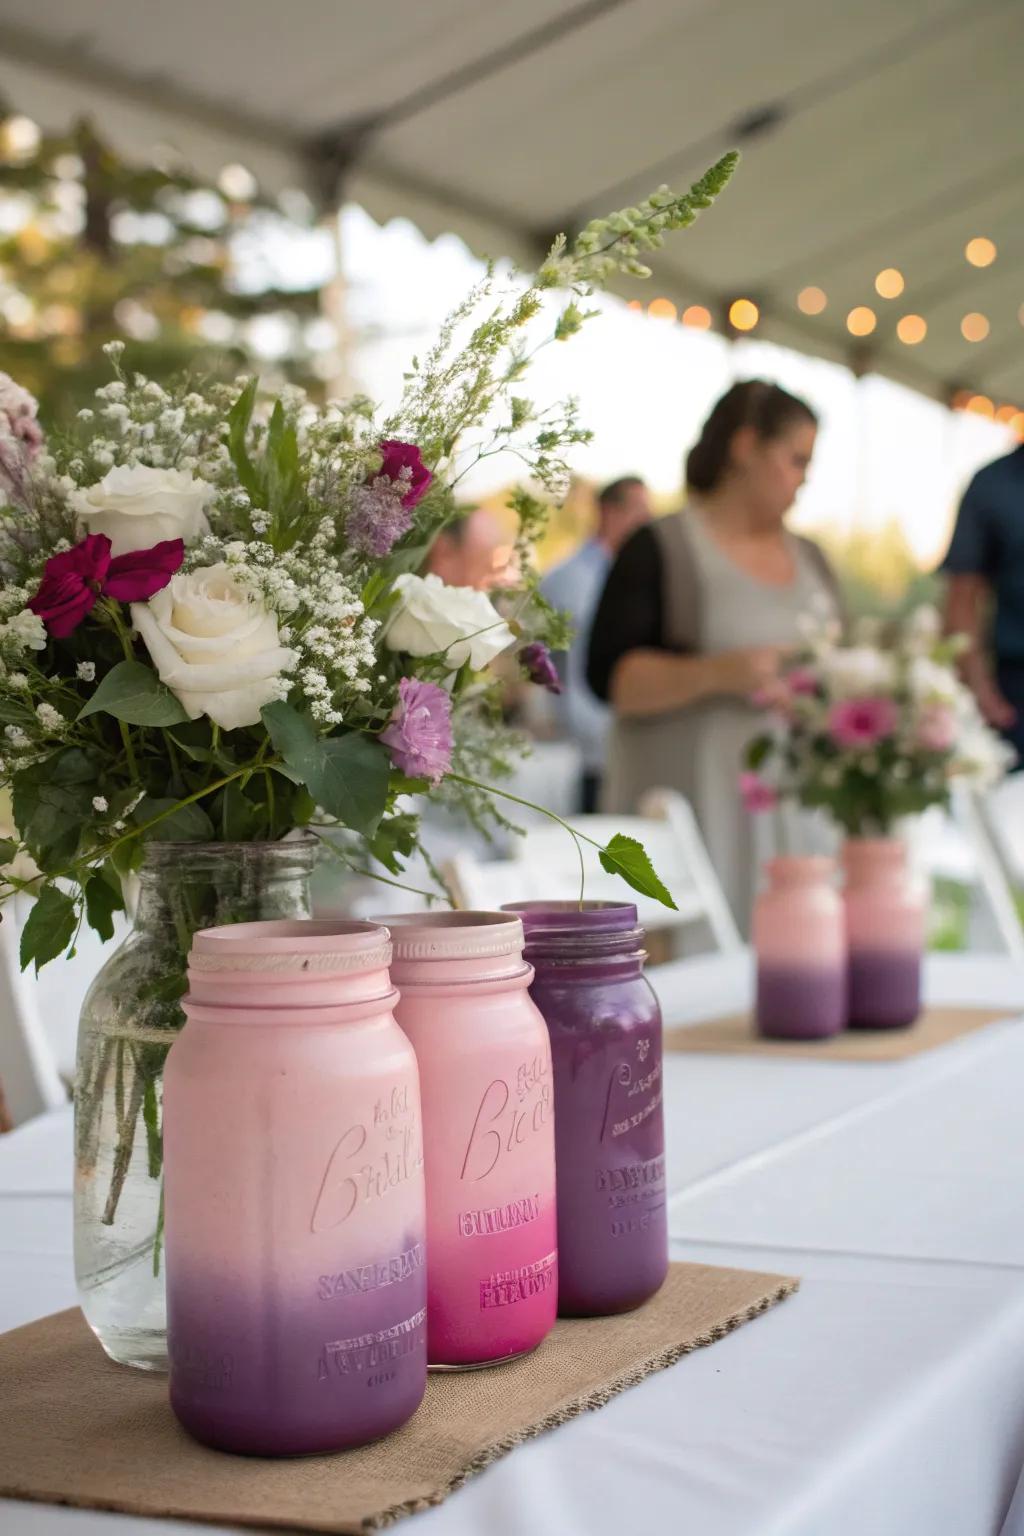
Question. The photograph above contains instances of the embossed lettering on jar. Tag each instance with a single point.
(488, 1121)
(605, 1028)
(295, 1204)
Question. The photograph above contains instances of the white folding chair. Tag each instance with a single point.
(545, 863)
(980, 844)
(39, 1015)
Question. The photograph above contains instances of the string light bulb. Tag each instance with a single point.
(861, 321)
(889, 283)
(811, 301)
(980, 252)
(743, 314)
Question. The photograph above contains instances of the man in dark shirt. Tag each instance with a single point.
(985, 567)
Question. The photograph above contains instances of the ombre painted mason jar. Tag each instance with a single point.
(294, 1194)
(605, 1027)
(886, 910)
(799, 938)
(488, 1132)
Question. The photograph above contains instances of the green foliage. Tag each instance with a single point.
(626, 857)
(50, 928)
(133, 693)
(346, 775)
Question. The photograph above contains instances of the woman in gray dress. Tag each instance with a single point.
(697, 615)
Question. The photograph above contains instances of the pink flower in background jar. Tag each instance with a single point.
(862, 722)
(936, 728)
(757, 794)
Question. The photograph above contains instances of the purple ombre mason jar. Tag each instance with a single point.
(294, 1194)
(605, 1027)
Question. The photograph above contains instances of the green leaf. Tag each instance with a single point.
(349, 779)
(759, 751)
(101, 902)
(346, 775)
(50, 927)
(393, 840)
(239, 817)
(283, 476)
(184, 824)
(52, 802)
(626, 857)
(239, 418)
(133, 693)
(8, 849)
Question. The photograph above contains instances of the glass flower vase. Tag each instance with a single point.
(130, 1018)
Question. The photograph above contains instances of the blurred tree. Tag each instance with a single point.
(880, 574)
(92, 248)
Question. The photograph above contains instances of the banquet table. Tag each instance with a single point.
(886, 1397)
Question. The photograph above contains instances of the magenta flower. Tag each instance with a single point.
(802, 681)
(936, 728)
(539, 666)
(74, 581)
(419, 734)
(402, 465)
(862, 722)
(757, 794)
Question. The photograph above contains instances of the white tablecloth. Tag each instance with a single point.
(885, 1399)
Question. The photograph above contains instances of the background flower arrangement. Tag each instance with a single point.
(212, 626)
(872, 731)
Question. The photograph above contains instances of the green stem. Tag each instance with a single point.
(529, 805)
(159, 1234)
(355, 869)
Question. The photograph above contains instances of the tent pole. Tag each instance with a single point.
(334, 304)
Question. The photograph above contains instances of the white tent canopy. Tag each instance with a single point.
(875, 135)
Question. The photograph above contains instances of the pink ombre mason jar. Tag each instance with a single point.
(294, 1200)
(605, 1027)
(800, 943)
(488, 1130)
(886, 908)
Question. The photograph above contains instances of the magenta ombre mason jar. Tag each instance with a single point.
(605, 1027)
(886, 909)
(799, 937)
(488, 1132)
(294, 1193)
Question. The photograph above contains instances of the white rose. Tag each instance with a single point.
(137, 507)
(431, 617)
(857, 671)
(215, 644)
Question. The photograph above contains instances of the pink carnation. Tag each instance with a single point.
(802, 680)
(757, 794)
(862, 722)
(419, 734)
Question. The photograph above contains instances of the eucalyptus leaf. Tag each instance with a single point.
(132, 692)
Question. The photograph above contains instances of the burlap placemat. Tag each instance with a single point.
(935, 1027)
(79, 1430)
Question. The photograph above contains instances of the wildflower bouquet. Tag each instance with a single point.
(213, 624)
(871, 732)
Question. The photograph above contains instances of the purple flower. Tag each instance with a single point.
(419, 735)
(402, 465)
(536, 659)
(377, 517)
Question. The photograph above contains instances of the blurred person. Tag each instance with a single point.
(472, 551)
(575, 586)
(985, 592)
(698, 612)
